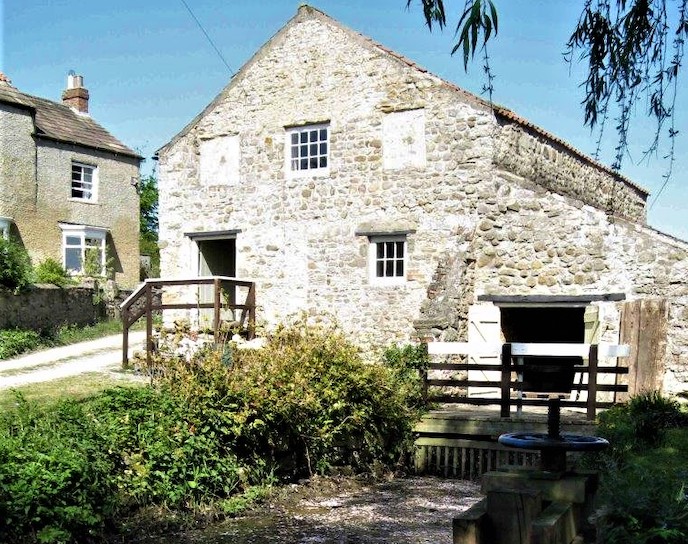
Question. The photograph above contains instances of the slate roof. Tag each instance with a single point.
(58, 122)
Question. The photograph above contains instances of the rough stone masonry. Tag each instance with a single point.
(485, 202)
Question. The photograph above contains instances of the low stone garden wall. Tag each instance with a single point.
(45, 307)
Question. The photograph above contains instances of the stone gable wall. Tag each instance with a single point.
(298, 235)
(482, 214)
(17, 162)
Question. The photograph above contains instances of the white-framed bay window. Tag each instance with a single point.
(308, 150)
(84, 182)
(83, 249)
(387, 259)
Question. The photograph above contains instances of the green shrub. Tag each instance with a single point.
(645, 499)
(15, 266)
(643, 492)
(50, 271)
(55, 476)
(640, 423)
(15, 341)
(304, 403)
(168, 454)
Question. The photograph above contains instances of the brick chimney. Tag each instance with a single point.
(75, 96)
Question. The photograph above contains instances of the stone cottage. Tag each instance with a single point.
(349, 182)
(68, 188)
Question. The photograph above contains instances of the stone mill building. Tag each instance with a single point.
(350, 183)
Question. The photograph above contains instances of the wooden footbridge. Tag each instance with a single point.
(217, 293)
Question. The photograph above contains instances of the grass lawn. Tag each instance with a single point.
(77, 387)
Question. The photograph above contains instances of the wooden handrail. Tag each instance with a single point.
(146, 290)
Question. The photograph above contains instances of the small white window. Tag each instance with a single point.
(83, 249)
(84, 182)
(308, 150)
(387, 259)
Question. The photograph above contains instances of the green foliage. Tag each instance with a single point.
(93, 265)
(148, 224)
(633, 50)
(14, 342)
(167, 455)
(304, 403)
(55, 483)
(645, 499)
(50, 271)
(408, 363)
(211, 435)
(644, 475)
(15, 266)
(640, 423)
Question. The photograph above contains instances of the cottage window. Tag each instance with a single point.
(83, 249)
(388, 259)
(308, 149)
(84, 181)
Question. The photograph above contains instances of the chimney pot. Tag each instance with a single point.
(75, 95)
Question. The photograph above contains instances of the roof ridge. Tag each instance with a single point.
(58, 121)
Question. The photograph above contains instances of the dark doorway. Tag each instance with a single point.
(216, 257)
(544, 324)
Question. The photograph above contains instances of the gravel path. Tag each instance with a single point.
(51, 364)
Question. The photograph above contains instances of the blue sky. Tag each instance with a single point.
(149, 68)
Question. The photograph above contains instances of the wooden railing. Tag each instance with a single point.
(148, 298)
(509, 363)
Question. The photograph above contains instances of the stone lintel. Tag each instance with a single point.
(552, 299)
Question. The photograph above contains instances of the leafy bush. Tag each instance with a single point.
(212, 431)
(644, 476)
(55, 483)
(645, 500)
(15, 341)
(50, 271)
(304, 403)
(15, 266)
(640, 423)
(166, 455)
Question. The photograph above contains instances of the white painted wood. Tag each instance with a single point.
(464, 348)
(484, 328)
(485, 350)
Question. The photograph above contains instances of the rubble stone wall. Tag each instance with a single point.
(491, 210)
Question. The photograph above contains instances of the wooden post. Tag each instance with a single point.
(251, 301)
(592, 382)
(125, 338)
(149, 324)
(506, 380)
(216, 316)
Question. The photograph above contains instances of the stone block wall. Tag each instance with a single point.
(47, 307)
(550, 165)
(488, 207)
